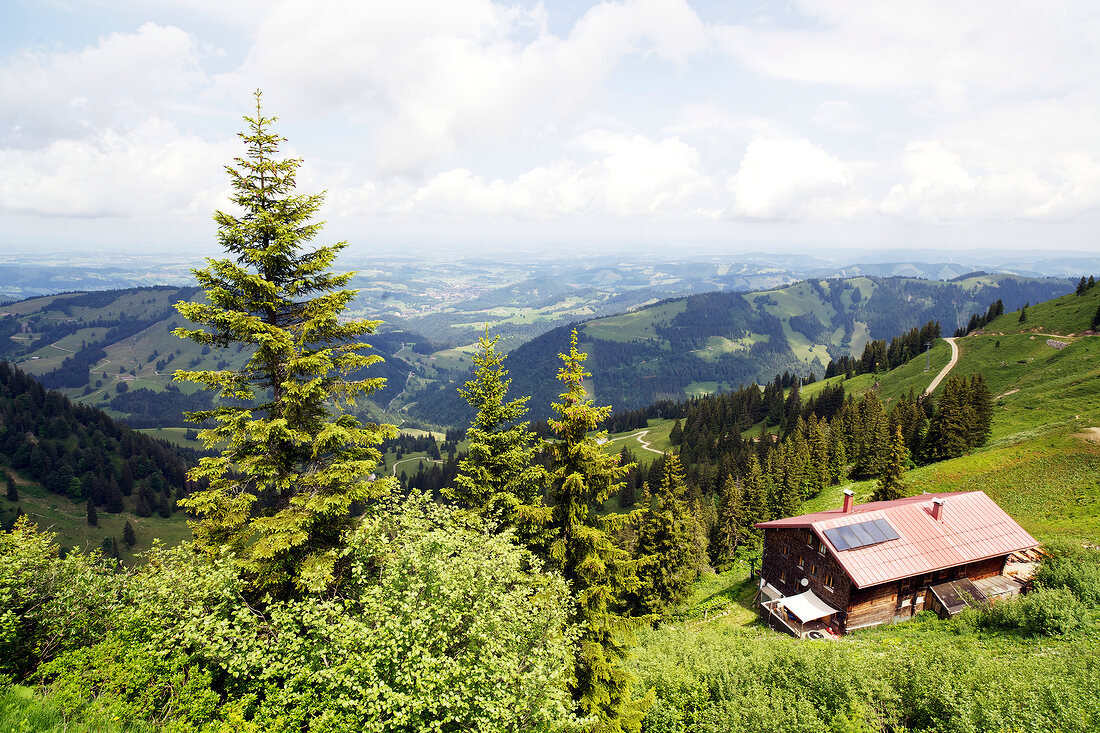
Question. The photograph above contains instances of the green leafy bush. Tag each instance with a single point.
(49, 603)
(434, 626)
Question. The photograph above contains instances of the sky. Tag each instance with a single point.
(471, 127)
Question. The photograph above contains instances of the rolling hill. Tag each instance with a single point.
(717, 341)
(114, 350)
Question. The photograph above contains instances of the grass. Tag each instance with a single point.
(68, 519)
(22, 711)
(656, 436)
(175, 436)
(725, 599)
(635, 325)
(1064, 315)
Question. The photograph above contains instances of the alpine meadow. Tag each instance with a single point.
(575, 504)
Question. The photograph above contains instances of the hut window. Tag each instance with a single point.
(828, 581)
(782, 576)
(821, 546)
(813, 569)
(783, 548)
(809, 538)
(801, 563)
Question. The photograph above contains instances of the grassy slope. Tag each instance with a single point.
(1042, 464)
(68, 519)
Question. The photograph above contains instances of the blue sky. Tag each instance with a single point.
(472, 126)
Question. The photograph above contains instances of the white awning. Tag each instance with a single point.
(808, 607)
(770, 592)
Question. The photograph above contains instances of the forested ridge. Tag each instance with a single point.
(82, 454)
(727, 340)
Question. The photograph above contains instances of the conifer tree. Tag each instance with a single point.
(754, 500)
(666, 541)
(981, 404)
(128, 534)
(949, 429)
(1095, 324)
(499, 478)
(13, 490)
(873, 437)
(280, 422)
(817, 467)
(1082, 286)
(729, 519)
(1023, 313)
(92, 516)
(890, 485)
(838, 453)
(676, 435)
(600, 573)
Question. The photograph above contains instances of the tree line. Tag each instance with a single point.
(81, 453)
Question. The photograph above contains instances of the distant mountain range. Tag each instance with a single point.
(717, 341)
(114, 349)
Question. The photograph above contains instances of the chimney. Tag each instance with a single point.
(937, 509)
(849, 499)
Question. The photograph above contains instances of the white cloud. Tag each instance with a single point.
(838, 114)
(431, 76)
(632, 176)
(947, 48)
(789, 178)
(942, 184)
(120, 80)
(148, 171)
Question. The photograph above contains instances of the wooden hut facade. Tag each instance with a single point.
(869, 564)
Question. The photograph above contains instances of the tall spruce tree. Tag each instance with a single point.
(729, 520)
(600, 573)
(872, 436)
(666, 543)
(12, 489)
(279, 424)
(949, 430)
(499, 478)
(753, 507)
(890, 484)
(981, 404)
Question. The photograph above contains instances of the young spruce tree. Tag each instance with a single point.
(278, 422)
(601, 573)
(666, 538)
(499, 479)
(890, 484)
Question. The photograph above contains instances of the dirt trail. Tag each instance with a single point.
(950, 365)
(644, 443)
(418, 458)
(1092, 435)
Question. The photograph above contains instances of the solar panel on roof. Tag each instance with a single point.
(861, 534)
(875, 532)
(849, 537)
(886, 529)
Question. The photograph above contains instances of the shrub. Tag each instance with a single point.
(49, 603)
(432, 626)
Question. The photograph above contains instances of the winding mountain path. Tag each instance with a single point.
(416, 458)
(644, 443)
(950, 365)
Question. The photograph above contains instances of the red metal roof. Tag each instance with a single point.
(971, 527)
